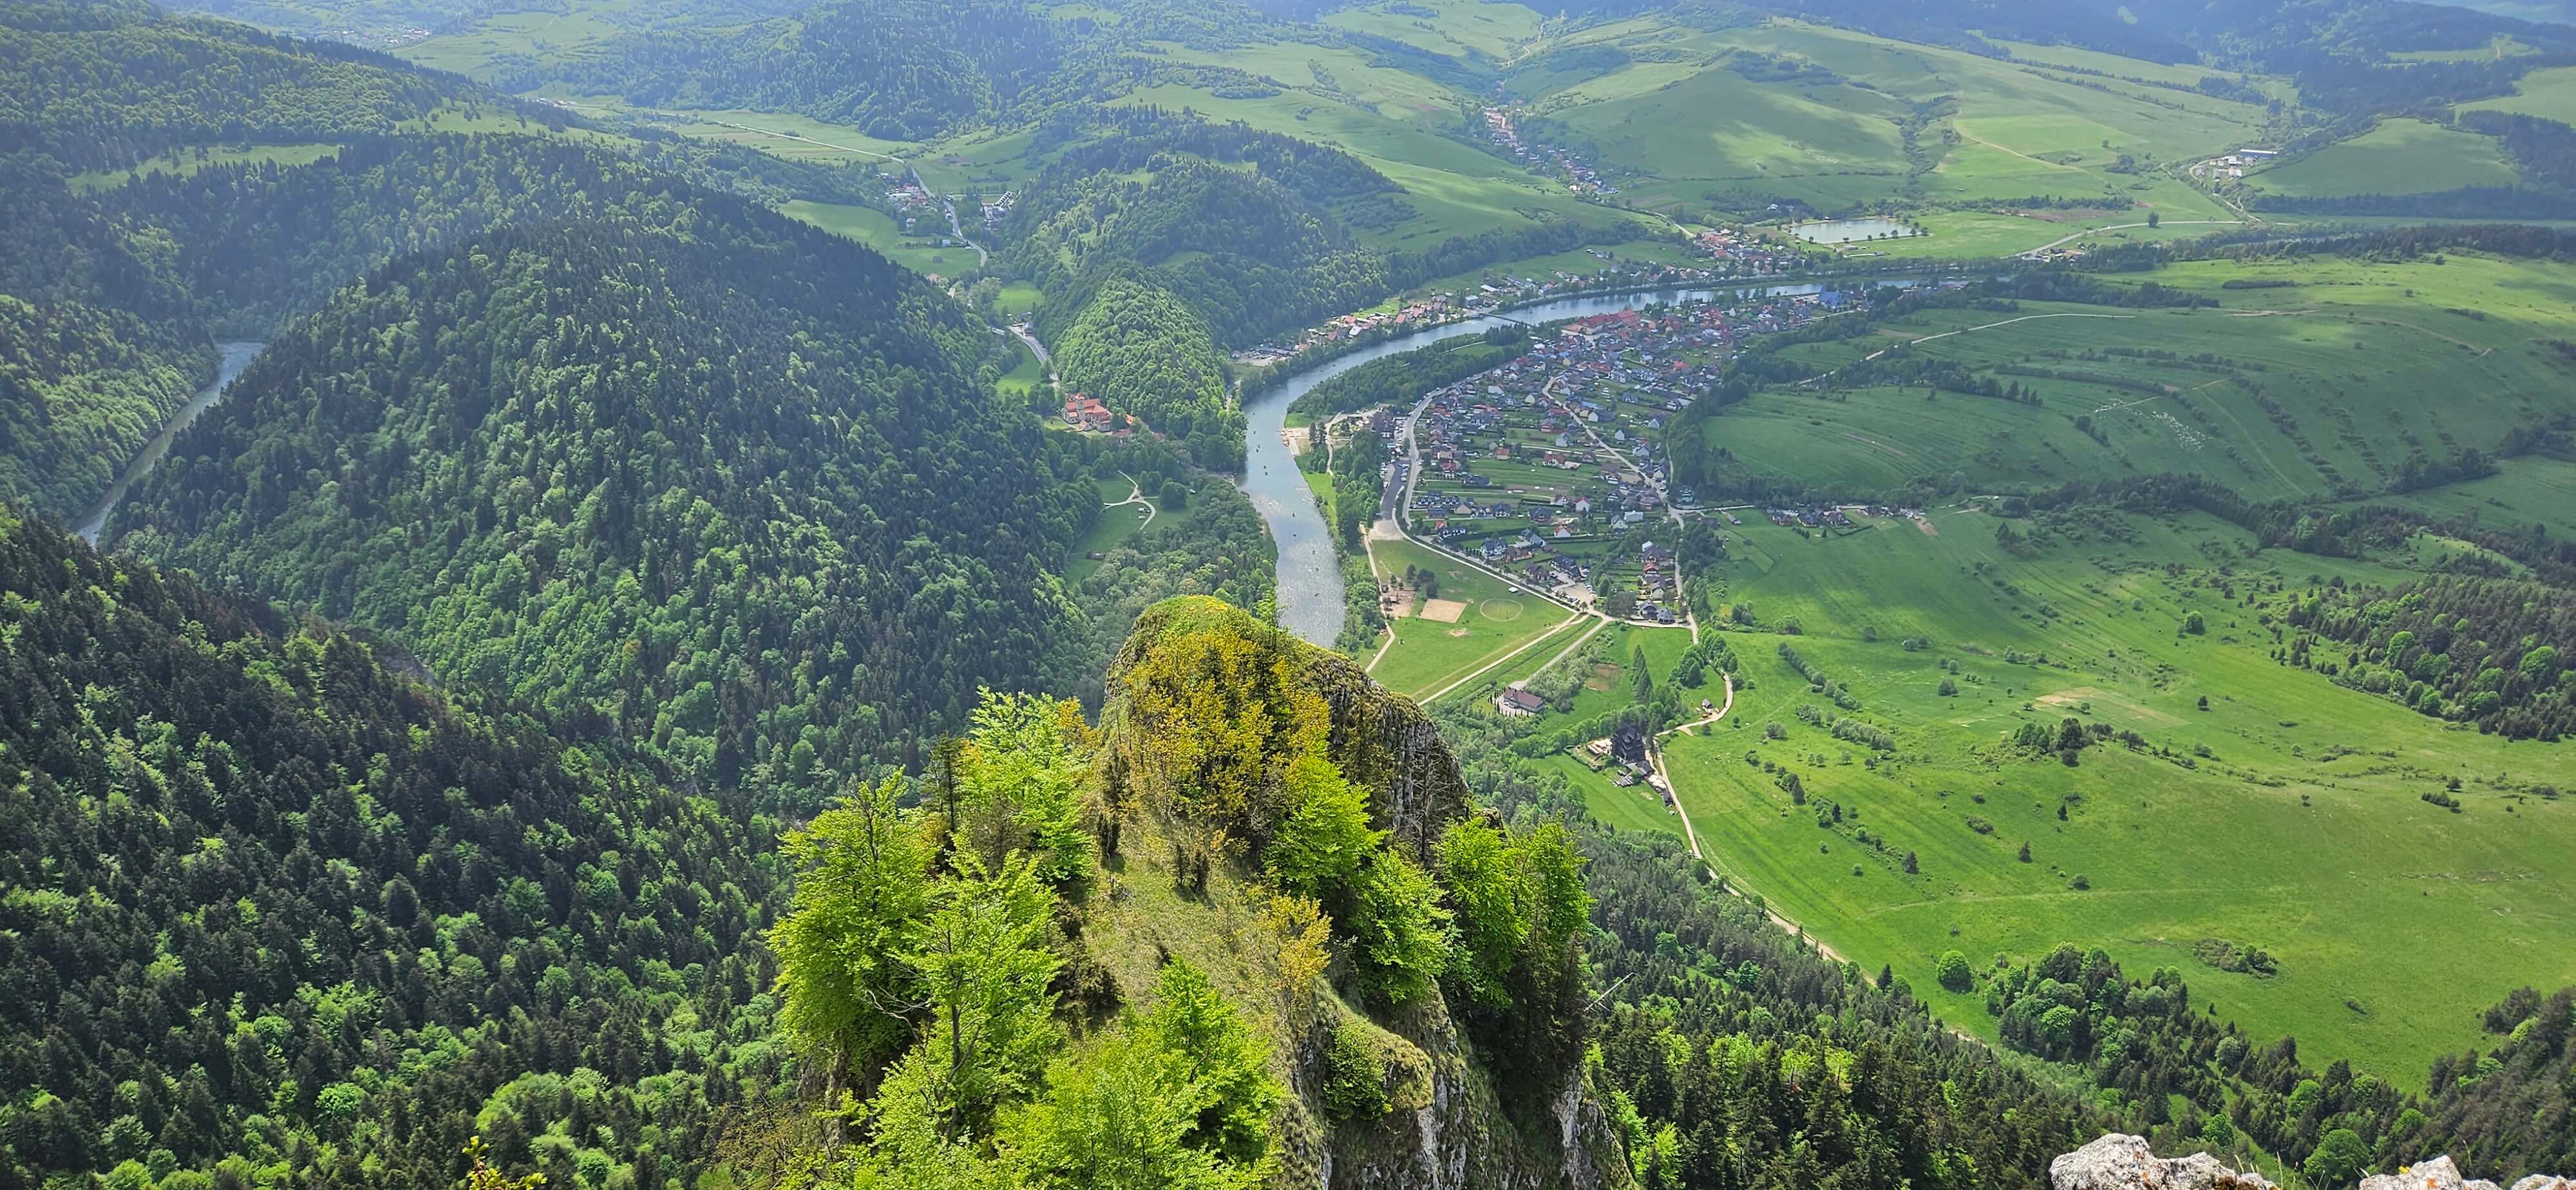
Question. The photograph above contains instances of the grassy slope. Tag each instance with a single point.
(2302, 833)
(2021, 130)
(2373, 362)
(2549, 93)
(2397, 157)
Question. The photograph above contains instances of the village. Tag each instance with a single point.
(1550, 470)
(1734, 256)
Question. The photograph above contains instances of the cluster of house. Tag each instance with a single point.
(1580, 177)
(998, 208)
(1422, 312)
(1831, 516)
(1749, 253)
(2233, 165)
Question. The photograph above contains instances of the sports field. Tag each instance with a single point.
(1429, 656)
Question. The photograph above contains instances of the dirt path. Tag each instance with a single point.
(1691, 834)
(1135, 495)
(2091, 231)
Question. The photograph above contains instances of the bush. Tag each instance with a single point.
(1354, 1078)
(1953, 972)
(1399, 932)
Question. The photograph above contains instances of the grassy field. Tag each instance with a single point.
(878, 230)
(1428, 655)
(183, 162)
(2360, 362)
(2397, 157)
(2299, 828)
(2549, 93)
(1466, 29)
(1683, 124)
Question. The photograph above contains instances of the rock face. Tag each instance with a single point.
(2440, 1174)
(1446, 1125)
(2120, 1162)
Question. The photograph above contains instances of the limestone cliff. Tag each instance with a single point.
(1182, 884)
(2119, 1162)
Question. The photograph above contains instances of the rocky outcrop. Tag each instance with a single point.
(1444, 1125)
(2440, 1174)
(2121, 1162)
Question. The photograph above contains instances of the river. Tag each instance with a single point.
(1310, 581)
(236, 357)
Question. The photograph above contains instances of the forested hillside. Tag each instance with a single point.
(899, 69)
(277, 914)
(102, 84)
(695, 492)
(80, 388)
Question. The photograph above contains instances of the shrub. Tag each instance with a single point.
(1953, 972)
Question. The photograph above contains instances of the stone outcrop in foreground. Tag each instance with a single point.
(2440, 1174)
(2120, 1162)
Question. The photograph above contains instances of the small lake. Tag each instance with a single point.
(236, 357)
(1310, 577)
(1845, 231)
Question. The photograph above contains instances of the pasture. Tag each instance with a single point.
(2396, 157)
(2304, 390)
(2286, 815)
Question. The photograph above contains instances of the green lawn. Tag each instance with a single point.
(2396, 157)
(878, 230)
(2300, 830)
(1427, 655)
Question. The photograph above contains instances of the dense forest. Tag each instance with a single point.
(1144, 353)
(898, 69)
(2486, 651)
(278, 913)
(682, 491)
(102, 84)
(81, 389)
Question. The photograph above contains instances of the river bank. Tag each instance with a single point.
(1310, 593)
(236, 356)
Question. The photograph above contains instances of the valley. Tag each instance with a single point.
(1296, 593)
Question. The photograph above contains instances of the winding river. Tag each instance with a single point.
(236, 357)
(1310, 583)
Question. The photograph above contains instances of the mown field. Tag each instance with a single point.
(2287, 815)
(1428, 656)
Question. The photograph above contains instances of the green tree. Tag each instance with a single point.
(1953, 972)
(1020, 782)
(861, 888)
(1176, 495)
(1399, 930)
(1226, 1063)
(1326, 836)
(985, 966)
(2338, 1159)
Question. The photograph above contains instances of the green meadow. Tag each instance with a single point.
(2308, 389)
(2286, 815)
(2396, 157)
